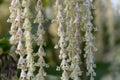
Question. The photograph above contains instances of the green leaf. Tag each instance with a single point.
(5, 45)
(45, 2)
(1, 1)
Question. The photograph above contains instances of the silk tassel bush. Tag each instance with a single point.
(75, 28)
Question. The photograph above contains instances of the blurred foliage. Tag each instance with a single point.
(4, 44)
(1, 1)
(8, 67)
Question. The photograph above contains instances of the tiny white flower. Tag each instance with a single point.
(23, 74)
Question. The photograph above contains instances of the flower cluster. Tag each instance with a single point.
(26, 16)
(75, 17)
(40, 42)
(69, 32)
(76, 53)
(15, 20)
(62, 41)
(17, 35)
(89, 38)
(73, 37)
(74, 20)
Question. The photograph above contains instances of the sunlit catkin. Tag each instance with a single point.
(28, 38)
(62, 40)
(89, 39)
(40, 42)
(17, 35)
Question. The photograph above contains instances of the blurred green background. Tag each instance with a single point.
(106, 18)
